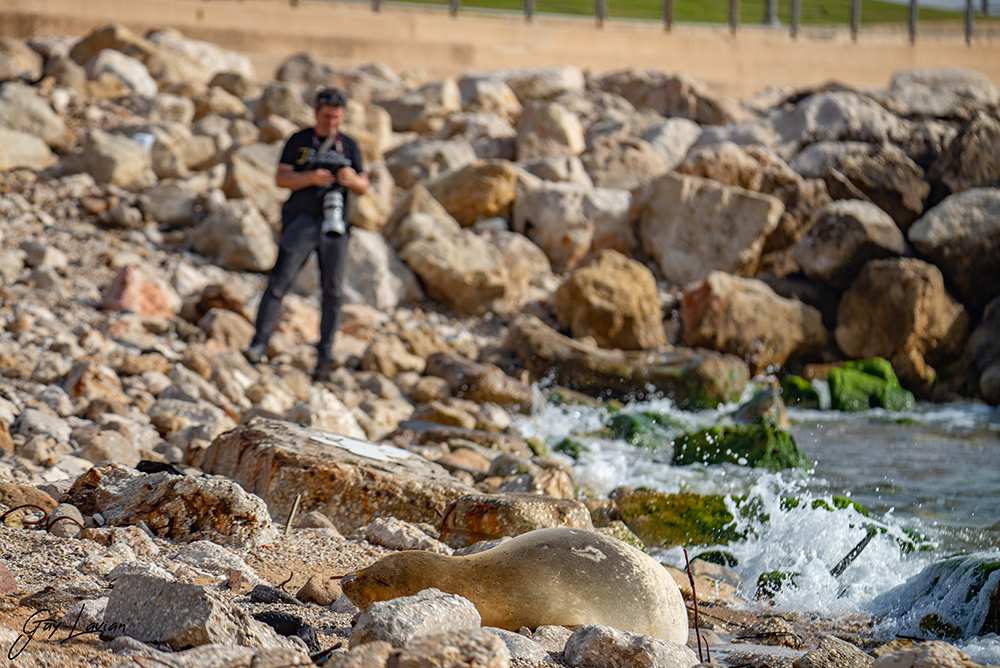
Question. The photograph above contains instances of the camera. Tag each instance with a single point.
(333, 212)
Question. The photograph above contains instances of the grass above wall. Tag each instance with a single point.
(813, 12)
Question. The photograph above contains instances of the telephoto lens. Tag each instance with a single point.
(333, 213)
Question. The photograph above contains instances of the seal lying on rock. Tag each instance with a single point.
(559, 576)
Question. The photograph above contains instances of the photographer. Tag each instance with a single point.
(321, 167)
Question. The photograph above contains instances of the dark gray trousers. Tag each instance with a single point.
(300, 236)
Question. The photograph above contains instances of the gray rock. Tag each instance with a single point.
(425, 159)
(425, 109)
(837, 116)
(24, 110)
(182, 616)
(476, 647)
(237, 237)
(349, 480)
(982, 354)
(182, 508)
(131, 72)
(672, 139)
(250, 174)
(605, 647)
(66, 521)
(960, 235)
(846, 235)
(285, 100)
(402, 620)
(375, 276)
(38, 422)
(23, 150)
(972, 159)
(692, 226)
(560, 168)
(209, 556)
(547, 129)
(940, 93)
(542, 83)
(111, 446)
(521, 648)
(673, 94)
(834, 653)
(622, 162)
(116, 159)
(18, 60)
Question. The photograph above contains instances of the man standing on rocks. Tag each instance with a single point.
(320, 166)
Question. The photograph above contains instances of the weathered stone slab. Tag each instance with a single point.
(349, 480)
(691, 378)
(479, 517)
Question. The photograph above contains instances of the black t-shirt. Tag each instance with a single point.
(300, 151)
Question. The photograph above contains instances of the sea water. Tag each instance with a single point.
(930, 479)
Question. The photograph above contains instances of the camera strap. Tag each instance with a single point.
(321, 151)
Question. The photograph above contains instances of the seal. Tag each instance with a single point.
(558, 576)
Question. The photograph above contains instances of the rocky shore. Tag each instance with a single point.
(531, 236)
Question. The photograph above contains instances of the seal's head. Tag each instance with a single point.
(399, 574)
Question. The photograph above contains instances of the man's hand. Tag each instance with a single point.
(323, 177)
(347, 177)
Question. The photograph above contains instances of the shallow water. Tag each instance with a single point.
(934, 471)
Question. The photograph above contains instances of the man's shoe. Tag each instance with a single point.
(256, 353)
(324, 367)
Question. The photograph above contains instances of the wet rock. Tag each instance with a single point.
(691, 378)
(833, 651)
(481, 383)
(605, 647)
(982, 354)
(404, 619)
(915, 325)
(178, 507)
(864, 384)
(348, 480)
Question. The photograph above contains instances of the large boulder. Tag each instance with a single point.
(972, 160)
(463, 271)
(212, 58)
(899, 309)
(691, 226)
(621, 161)
(182, 508)
(691, 378)
(116, 160)
(846, 235)
(542, 83)
(673, 94)
(166, 67)
(285, 100)
(613, 299)
(982, 355)
(376, 276)
(489, 135)
(129, 71)
(477, 382)
(744, 317)
(23, 109)
(837, 116)
(567, 221)
(483, 189)
(950, 93)
(882, 174)
(672, 138)
(18, 61)
(250, 173)
(237, 237)
(350, 481)
(547, 129)
(425, 109)
(961, 235)
(487, 95)
(425, 159)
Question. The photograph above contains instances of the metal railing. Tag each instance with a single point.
(600, 14)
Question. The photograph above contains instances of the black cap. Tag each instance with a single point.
(330, 97)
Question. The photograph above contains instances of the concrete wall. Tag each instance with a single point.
(406, 38)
